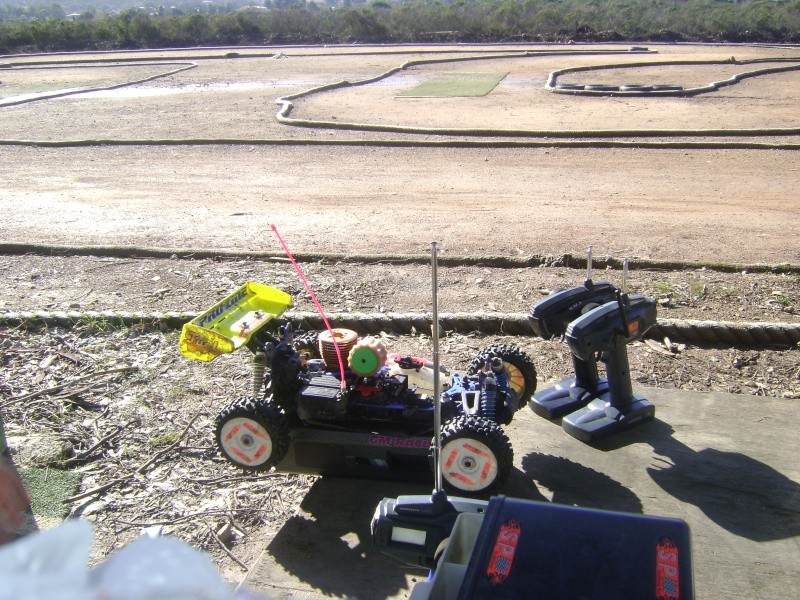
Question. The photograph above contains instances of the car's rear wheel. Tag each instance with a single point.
(252, 434)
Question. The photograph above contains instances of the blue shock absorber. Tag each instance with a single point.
(502, 380)
(489, 398)
(498, 367)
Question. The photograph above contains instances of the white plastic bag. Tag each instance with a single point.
(52, 565)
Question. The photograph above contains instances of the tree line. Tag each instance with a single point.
(381, 21)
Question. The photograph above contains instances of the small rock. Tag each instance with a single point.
(225, 534)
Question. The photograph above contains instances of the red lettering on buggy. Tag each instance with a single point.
(399, 442)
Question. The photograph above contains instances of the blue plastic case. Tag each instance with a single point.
(537, 550)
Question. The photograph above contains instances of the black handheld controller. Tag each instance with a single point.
(551, 316)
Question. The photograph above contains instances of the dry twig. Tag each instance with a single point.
(106, 438)
(225, 548)
(61, 386)
(140, 469)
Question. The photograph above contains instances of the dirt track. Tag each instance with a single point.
(693, 204)
(728, 206)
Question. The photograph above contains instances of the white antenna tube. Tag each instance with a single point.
(589, 264)
(625, 276)
(437, 400)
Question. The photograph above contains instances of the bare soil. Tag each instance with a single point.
(694, 204)
(720, 205)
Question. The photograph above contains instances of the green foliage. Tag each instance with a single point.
(48, 488)
(26, 29)
(165, 438)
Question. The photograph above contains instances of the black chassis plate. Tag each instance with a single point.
(319, 451)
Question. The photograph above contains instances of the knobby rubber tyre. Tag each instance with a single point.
(476, 456)
(252, 434)
(307, 342)
(519, 366)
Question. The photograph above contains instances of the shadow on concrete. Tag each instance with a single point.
(334, 522)
(333, 530)
(744, 496)
(520, 485)
(575, 484)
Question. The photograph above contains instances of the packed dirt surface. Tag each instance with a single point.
(93, 283)
(695, 203)
(94, 169)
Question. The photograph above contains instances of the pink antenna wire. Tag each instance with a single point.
(314, 299)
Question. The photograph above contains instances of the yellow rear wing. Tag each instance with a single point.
(230, 323)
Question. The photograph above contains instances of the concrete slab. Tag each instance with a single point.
(727, 464)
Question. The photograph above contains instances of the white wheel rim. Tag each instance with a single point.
(246, 442)
(468, 464)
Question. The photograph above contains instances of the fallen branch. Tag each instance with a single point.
(231, 479)
(169, 448)
(97, 490)
(86, 453)
(61, 386)
(225, 549)
(139, 470)
(189, 516)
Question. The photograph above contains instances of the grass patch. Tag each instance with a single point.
(456, 85)
(48, 488)
(698, 289)
(664, 288)
(782, 300)
(165, 439)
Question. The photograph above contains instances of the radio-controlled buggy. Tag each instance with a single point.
(372, 414)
